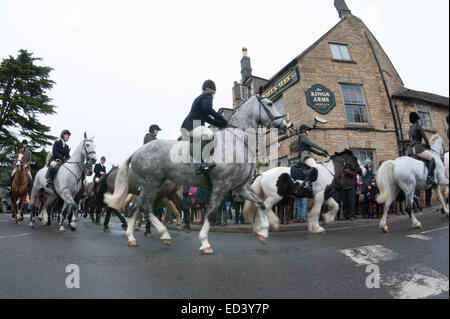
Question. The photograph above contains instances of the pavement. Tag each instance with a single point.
(248, 228)
(356, 261)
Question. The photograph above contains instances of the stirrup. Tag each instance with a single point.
(307, 186)
(431, 181)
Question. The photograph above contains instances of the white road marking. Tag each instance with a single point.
(433, 230)
(419, 282)
(367, 255)
(419, 236)
(14, 236)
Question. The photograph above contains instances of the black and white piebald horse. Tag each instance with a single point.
(276, 183)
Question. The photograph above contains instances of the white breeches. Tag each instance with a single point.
(427, 155)
(311, 162)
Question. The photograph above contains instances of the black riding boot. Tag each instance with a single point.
(431, 180)
(49, 176)
(307, 183)
(202, 167)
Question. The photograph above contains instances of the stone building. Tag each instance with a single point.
(346, 78)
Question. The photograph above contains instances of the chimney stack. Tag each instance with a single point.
(246, 68)
(342, 8)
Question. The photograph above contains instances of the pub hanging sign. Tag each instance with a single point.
(320, 99)
(285, 82)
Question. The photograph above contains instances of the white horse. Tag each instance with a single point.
(446, 172)
(67, 184)
(276, 183)
(409, 175)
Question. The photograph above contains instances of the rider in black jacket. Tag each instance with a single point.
(202, 111)
(60, 154)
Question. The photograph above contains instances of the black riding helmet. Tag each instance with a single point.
(65, 132)
(413, 117)
(304, 128)
(24, 142)
(154, 127)
(209, 84)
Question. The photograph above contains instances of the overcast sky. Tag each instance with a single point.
(120, 66)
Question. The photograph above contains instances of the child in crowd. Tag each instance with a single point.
(371, 195)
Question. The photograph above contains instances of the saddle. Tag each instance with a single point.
(299, 172)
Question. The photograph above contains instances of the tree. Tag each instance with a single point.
(23, 87)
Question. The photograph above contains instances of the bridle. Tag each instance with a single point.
(269, 113)
(85, 165)
(88, 154)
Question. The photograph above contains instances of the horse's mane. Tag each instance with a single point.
(344, 152)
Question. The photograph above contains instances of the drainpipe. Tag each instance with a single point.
(387, 93)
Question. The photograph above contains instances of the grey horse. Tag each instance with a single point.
(154, 163)
(67, 184)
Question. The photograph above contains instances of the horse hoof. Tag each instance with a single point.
(385, 230)
(133, 243)
(262, 239)
(148, 235)
(166, 242)
(106, 230)
(62, 231)
(207, 251)
(419, 226)
(72, 228)
(179, 228)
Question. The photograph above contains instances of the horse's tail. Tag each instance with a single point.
(385, 181)
(250, 209)
(117, 199)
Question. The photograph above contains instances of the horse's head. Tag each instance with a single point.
(437, 145)
(89, 149)
(348, 158)
(269, 116)
(20, 160)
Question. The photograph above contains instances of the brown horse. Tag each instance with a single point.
(19, 187)
(169, 196)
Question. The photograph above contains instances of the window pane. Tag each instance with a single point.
(356, 113)
(353, 94)
(335, 52)
(344, 52)
(425, 115)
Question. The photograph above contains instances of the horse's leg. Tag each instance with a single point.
(138, 205)
(121, 218)
(172, 210)
(22, 206)
(261, 223)
(443, 202)
(14, 207)
(107, 217)
(383, 222)
(314, 215)
(62, 217)
(409, 204)
(151, 194)
(33, 199)
(333, 208)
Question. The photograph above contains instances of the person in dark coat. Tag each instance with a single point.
(202, 112)
(152, 133)
(60, 154)
(367, 181)
(416, 147)
(348, 185)
(99, 169)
